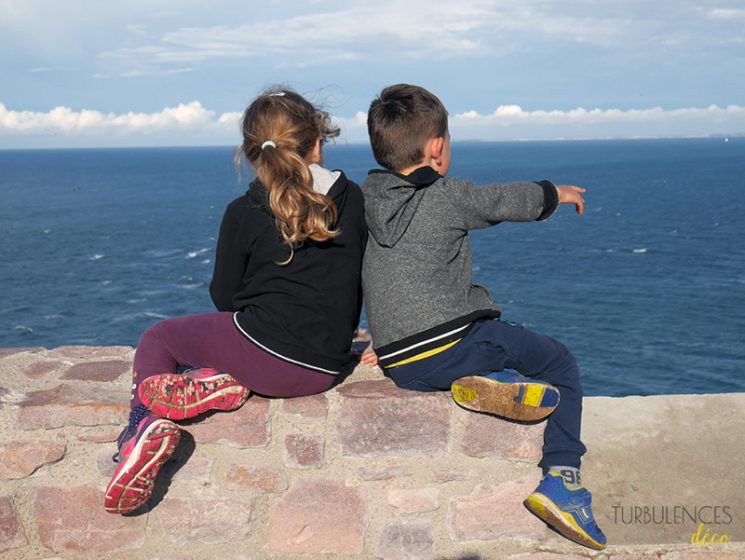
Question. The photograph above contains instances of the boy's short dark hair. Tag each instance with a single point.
(400, 122)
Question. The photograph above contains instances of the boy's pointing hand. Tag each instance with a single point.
(569, 194)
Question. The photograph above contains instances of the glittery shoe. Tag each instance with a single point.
(191, 393)
(144, 445)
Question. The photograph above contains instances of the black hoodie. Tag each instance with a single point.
(305, 312)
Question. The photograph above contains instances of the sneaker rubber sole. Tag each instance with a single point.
(133, 481)
(543, 508)
(180, 397)
(515, 401)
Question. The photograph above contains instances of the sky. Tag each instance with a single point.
(91, 73)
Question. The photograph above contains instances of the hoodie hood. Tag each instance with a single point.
(333, 184)
(323, 179)
(392, 201)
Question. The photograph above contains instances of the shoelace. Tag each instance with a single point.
(136, 415)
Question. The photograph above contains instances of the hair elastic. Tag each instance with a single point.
(268, 143)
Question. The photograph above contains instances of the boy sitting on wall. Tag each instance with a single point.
(433, 329)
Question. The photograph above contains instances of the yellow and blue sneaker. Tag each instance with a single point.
(567, 511)
(507, 394)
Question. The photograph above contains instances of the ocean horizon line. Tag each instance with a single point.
(713, 136)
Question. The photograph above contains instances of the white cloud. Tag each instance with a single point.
(727, 13)
(318, 38)
(180, 71)
(193, 121)
(232, 117)
(512, 121)
(40, 69)
(300, 35)
(508, 115)
(64, 121)
(353, 129)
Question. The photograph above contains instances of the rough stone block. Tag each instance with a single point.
(73, 405)
(487, 436)
(304, 451)
(109, 370)
(445, 475)
(100, 436)
(90, 352)
(383, 473)
(553, 556)
(37, 370)
(262, 479)
(416, 500)
(204, 520)
(406, 541)
(104, 462)
(708, 555)
(248, 426)
(12, 534)
(491, 512)
(306, 410)
(19, 459)
(5, 352)
(196, 469)
(318, 517)
(379, 419)
(73, 520)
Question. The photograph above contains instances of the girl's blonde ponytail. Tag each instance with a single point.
(280, 131)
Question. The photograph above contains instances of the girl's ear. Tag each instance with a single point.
(315, 155)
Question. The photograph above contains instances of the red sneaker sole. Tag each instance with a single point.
(133, 481)
(180, 397)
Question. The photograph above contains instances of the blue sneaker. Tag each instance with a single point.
(507, 394)
(567, 511)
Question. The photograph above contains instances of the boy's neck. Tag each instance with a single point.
(409, 170)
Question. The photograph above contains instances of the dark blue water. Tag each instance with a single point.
(647, 288)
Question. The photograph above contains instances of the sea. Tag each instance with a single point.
(647, 288)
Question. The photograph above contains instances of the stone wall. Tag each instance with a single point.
(363, 471)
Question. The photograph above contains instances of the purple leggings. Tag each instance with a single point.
(212, 340)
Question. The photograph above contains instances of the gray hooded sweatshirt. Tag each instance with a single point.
(416, 273)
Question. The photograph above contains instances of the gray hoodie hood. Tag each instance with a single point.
(396, 200)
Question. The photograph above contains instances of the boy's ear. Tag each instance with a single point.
(436, 147)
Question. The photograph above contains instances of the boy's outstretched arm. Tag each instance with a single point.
(571, 194)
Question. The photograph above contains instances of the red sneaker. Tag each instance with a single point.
(192, 393)
(140, 456)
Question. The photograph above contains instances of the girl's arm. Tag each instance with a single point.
(230, 264)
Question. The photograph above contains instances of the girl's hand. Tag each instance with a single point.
(569, 194)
